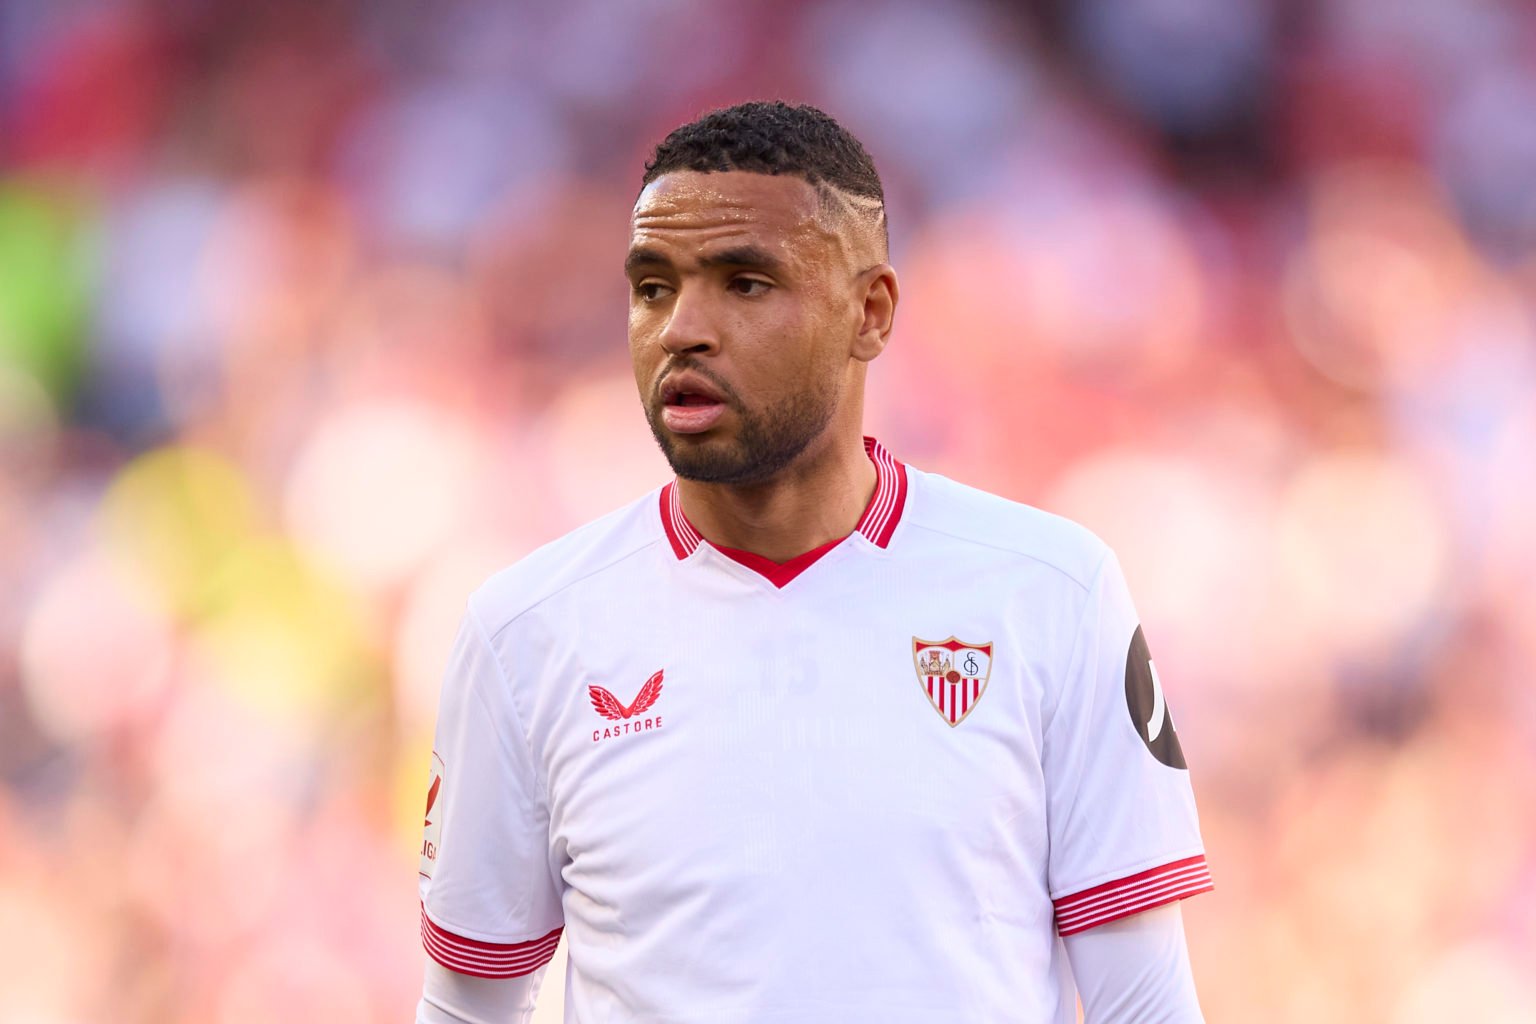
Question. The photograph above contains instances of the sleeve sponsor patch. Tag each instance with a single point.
(432, 823)
(1149, 709)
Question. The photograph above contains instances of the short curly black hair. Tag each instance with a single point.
(770, 138)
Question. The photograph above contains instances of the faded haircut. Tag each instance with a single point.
(765, 137)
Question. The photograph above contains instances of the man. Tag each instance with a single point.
(807, 735)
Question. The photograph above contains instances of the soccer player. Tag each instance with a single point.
(807, 735)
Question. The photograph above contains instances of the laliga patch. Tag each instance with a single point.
(432, 822)
(1150, 713)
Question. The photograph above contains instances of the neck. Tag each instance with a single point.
(818, 499)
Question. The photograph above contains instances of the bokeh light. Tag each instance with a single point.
(1359, 550)
(79, 689)
(378, 488)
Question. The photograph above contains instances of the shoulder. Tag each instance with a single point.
(968, 516)
(583, 553)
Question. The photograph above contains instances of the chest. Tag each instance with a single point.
(740, 737)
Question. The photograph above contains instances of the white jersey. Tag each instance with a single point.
(876, 783)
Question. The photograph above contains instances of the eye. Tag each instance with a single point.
(650, 291)
(749, 286)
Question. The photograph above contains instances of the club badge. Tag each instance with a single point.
(953, 674)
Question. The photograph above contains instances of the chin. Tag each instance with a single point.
(708, 460)
(757, 449)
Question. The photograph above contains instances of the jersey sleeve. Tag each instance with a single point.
(1124, 835)
(490, 906)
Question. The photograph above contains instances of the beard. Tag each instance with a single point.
(766, 441)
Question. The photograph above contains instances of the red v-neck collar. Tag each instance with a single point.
(878, 523)
(778, 573)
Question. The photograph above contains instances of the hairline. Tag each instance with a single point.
(834, 204)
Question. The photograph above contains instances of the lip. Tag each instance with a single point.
(687, 382)
(691, 419)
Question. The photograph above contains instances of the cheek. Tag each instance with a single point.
(825, 333)
(643, 333)
(798, 323)
(638, 328)
(644, 358)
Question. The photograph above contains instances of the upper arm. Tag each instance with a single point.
(1135, 970)
(448, 997)
(1124, 835)
(490, 905)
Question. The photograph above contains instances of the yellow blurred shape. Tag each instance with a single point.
(179, 513)
(25, 407)
(280, 637)
(413, 768)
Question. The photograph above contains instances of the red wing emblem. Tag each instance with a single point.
(953, 673)
(607, 705)
(432, 827)
(437, 784)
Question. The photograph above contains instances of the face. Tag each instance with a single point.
(745, 310)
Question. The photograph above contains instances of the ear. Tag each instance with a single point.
(880, 294)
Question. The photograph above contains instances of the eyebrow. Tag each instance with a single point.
(751, 257)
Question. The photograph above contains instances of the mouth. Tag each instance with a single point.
(690, 404)
(689, 389)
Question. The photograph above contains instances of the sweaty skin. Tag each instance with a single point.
(777, 296)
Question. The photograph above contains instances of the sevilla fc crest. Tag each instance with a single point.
(953, 673)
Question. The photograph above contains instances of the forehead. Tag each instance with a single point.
(691, 210)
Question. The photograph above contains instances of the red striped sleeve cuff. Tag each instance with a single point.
(1132, 894)
(486, 959)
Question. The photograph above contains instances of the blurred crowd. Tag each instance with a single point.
(312, 316)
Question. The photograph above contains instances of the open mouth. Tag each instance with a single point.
(691, 399)
(690, 405)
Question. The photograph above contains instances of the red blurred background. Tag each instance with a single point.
(312, 316)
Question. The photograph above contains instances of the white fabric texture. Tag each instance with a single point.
(1132, 971)
(1135, 970)
(448, 997)
(747, 799)
(490, 905)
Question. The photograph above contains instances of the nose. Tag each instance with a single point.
(690, 327)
